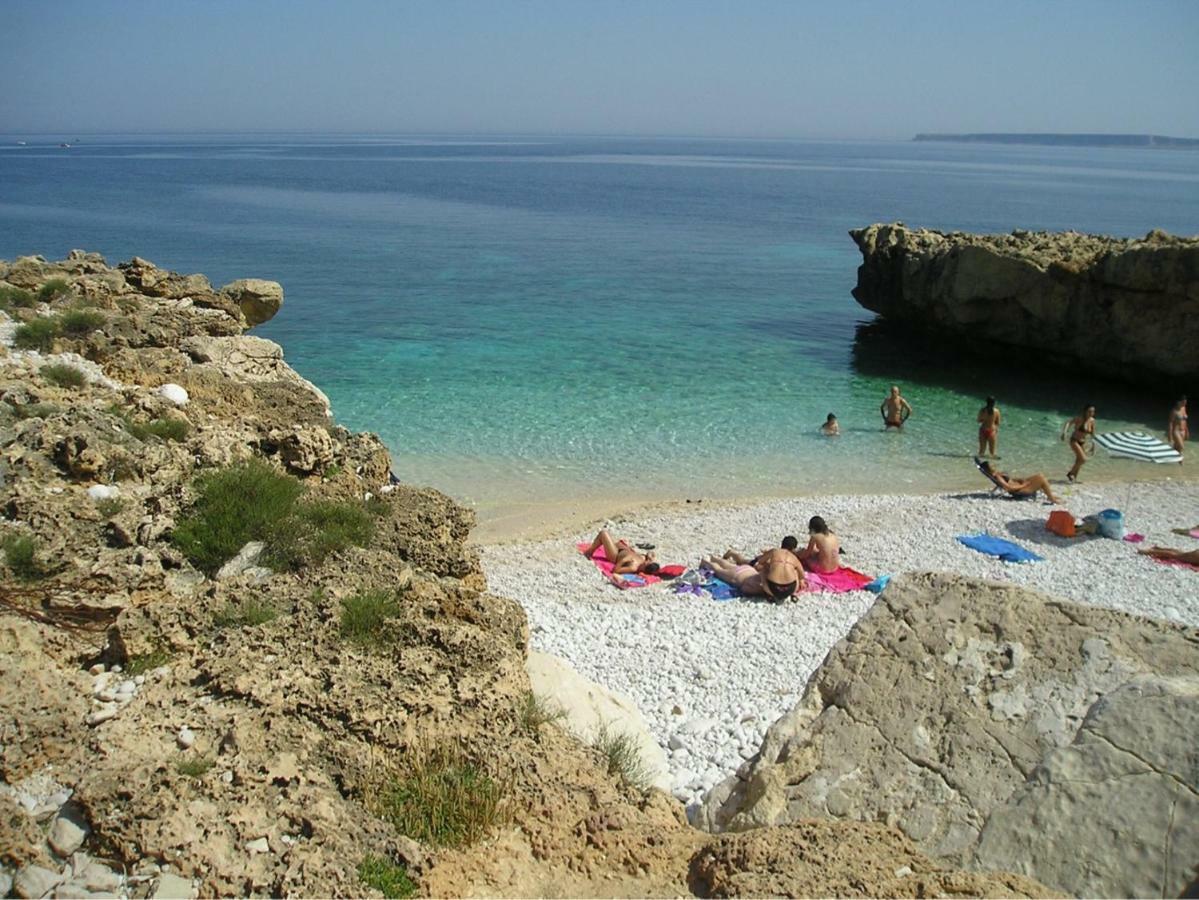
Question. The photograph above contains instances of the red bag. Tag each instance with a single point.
(671, 571)
(1061, 523)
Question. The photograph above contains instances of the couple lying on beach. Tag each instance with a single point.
(778, 573)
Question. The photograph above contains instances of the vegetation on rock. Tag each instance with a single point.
(620, 756)
(63, 376)
(37, 334)
(363, 614)
(16, 298)
(388, 878)
(80, 322)
(53, 289)
(247, 612)
(20, 555)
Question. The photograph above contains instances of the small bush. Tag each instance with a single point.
(20, 554)
(144, 662)
(621, 757)
(15, 298)
(63, 376)
(388, 878)
(35, 411)
(110, 506)
(194, 767)
(163, 429)
(233, 506)
(38, 334)
(363, 614)
(315, 529)
(53, 289)
(442, 798)
(246, 613)
(537, 711)
(80, 322)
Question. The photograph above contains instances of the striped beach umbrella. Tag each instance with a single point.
(1138, 445)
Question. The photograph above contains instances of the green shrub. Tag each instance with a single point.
(20, 554)
(38, 334)
(442, 799)
(80, 322)
(195, 766)
(537, 711)
(317, 528)
(363, 614)
(388, 878)
(35, 410)
(53, 289)
(144, 662)
(163, 429)
(110, 506)
(15, 298)
(245, 613)
(233, 506)
(63, 375)
(621, 756)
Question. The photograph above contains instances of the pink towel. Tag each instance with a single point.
(839, 581)
(600, 558)
(1133, 538)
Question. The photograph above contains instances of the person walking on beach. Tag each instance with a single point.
(988, 428)
(776, 576)
(830, 428)
(624, 559)
(1177, 430)
(1082, 429)
(895, 409)
(823, 553)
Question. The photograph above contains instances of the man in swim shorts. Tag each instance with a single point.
(895, 409)
(621, 554)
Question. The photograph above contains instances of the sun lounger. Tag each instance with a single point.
(985, 468)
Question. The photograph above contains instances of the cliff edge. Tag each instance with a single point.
(1123, 309)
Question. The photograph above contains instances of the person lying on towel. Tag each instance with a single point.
(625, 559)
(790, 542)
(1191, 557)
(776, 576)
(1016, 485)
(823, 553)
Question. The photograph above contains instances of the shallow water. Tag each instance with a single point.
(535, 320)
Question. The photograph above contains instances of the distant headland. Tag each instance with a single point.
(1068, 140)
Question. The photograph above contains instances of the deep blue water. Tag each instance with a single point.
(546, 318)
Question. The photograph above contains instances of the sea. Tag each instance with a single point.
(530, 322)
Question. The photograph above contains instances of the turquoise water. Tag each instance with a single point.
(533, 320)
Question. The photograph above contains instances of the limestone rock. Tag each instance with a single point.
(590, 708)
(172, 887)
(247, 558)
(35, 881)
(68, 831)
(306, 450)
(1123, 308)
(1130, 781)
(249, 359)
(258, 300)
(994, 680)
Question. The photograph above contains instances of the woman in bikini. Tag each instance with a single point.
(621, 554)
(776, 575)
(1082, 429)
(1177, 431)
(1191, 557)
(988, 428)
(1017, 486)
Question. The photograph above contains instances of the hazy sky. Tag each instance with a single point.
(788, 68)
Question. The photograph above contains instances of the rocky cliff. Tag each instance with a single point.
(336, 707)
(1123, 309)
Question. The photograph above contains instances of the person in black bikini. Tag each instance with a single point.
(1083, 429)
(621, 554)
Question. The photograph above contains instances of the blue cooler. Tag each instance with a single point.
(1111, 524)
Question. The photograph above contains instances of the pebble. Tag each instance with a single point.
(258, 845)
(186, 737)
(172, 887)
(174, 393)
(35, 881)
(97, 669)
(102, 714)
(741, 664)
(67, 834)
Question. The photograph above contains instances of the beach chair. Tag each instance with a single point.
(985, 467)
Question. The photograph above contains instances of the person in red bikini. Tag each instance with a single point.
(988, 428)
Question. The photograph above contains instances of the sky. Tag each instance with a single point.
(756, 68)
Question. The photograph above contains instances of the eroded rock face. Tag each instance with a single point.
(257, 298)
(947, 697)
(1122, 308)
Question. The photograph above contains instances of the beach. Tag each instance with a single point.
(710, 677)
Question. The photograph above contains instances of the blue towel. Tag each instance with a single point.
(876, 586)
(720, 591)
(993, 546)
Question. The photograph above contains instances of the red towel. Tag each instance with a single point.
(600, 558)
(839, 581)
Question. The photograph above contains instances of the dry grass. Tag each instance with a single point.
(620, 755)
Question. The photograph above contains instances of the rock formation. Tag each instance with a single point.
(174, 727)
(1122, 309)
(997, 728)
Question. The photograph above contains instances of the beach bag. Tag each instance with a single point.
(1061, 523)
(1111, 524)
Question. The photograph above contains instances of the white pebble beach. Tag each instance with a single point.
(710, 676)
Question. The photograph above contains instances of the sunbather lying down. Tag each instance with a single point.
(1020, 487)
(622, 555)
(1186, 556)
(776, 575)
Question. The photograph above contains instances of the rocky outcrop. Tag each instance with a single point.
(996, 729)
(1124, 309)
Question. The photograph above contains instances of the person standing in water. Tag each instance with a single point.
(895, 409)
(1177, 431)
(1082, 429)
(988, 428)
(830, 428)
